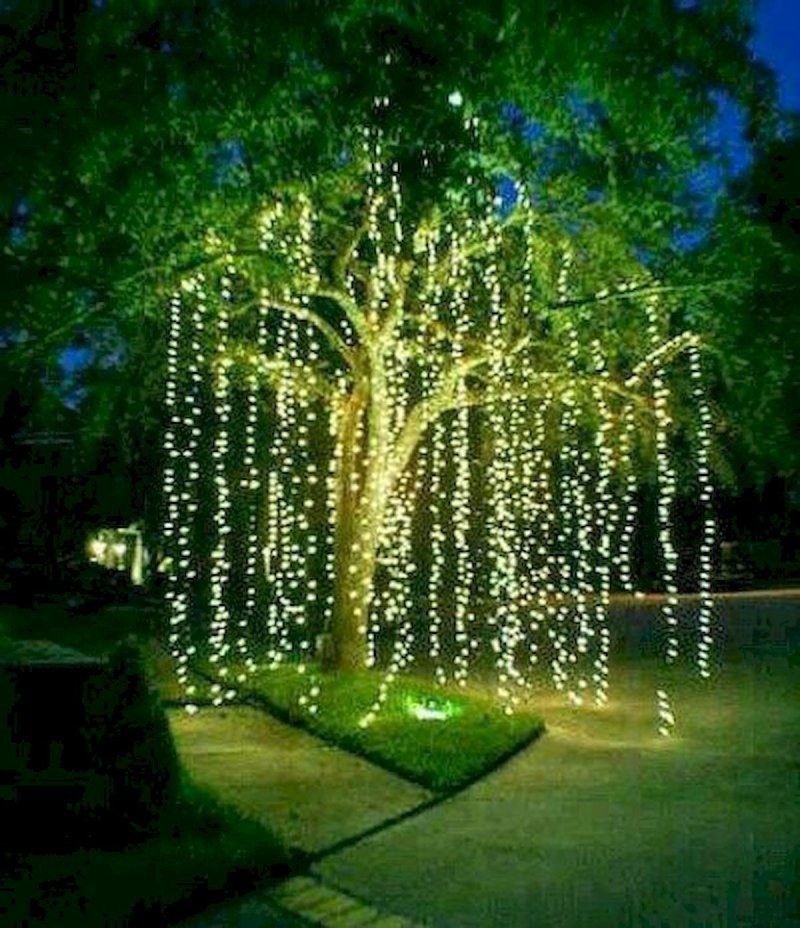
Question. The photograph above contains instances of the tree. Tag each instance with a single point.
(765, 338)
(601, 114)
(601, 110)
(396, 324)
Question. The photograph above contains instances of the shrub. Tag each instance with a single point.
(132, 746)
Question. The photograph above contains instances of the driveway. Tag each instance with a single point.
(604, 823)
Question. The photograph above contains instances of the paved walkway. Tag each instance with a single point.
(600, 823)
(313, 795)
(603, 824)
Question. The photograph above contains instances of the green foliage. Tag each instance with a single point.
(161, 120)
(96, 634)
(121, 195)
(132, 745)
(752, 321)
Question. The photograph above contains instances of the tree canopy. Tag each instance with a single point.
(140, 127)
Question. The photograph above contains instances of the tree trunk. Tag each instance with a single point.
(361, 495)
(372, 460)
(355, 569)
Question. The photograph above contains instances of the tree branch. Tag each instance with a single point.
(307, 315)
(663, 354)
(348, 306)
(397, 304)
(642, 290)
(277, 370)
(91, 312)
(346, 255)
(446, 397)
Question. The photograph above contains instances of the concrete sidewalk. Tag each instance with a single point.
(313, 795)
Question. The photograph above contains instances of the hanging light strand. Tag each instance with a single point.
(219, 646)
(193, 422)
(173, 527)
(461, 502)
(569, 557)
(280, 515)
(541, 520)
(628, 503)
(666, 487)
(606, 517)
(503, 590)
(706, 611)
(398, 562)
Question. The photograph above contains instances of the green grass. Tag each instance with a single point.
(204, 851)
(442, 755)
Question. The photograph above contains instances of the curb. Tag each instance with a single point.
(320, 905)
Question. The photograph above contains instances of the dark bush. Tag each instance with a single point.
(90, 587)
(132, 746)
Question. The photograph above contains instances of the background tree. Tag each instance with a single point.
(757, 341)
(760, 344)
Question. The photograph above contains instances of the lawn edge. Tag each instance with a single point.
(263, 703)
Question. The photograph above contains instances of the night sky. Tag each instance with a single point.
(778, 43)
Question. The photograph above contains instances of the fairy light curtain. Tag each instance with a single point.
(491, 499)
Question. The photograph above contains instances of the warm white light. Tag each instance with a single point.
(523, 469)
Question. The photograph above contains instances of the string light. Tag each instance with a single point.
(306, 480)
(279, 514)
(628, 501)
(569, 559)
(219, 646)
(536, 464)
(606, 519)
(539, 516)
(432, 458)
(550, 518)
(666, 487)
(175, 535)
(461, 501)
(503, 588)
(707, 542)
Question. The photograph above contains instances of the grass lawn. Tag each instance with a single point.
(203, 851)
(442, 754)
